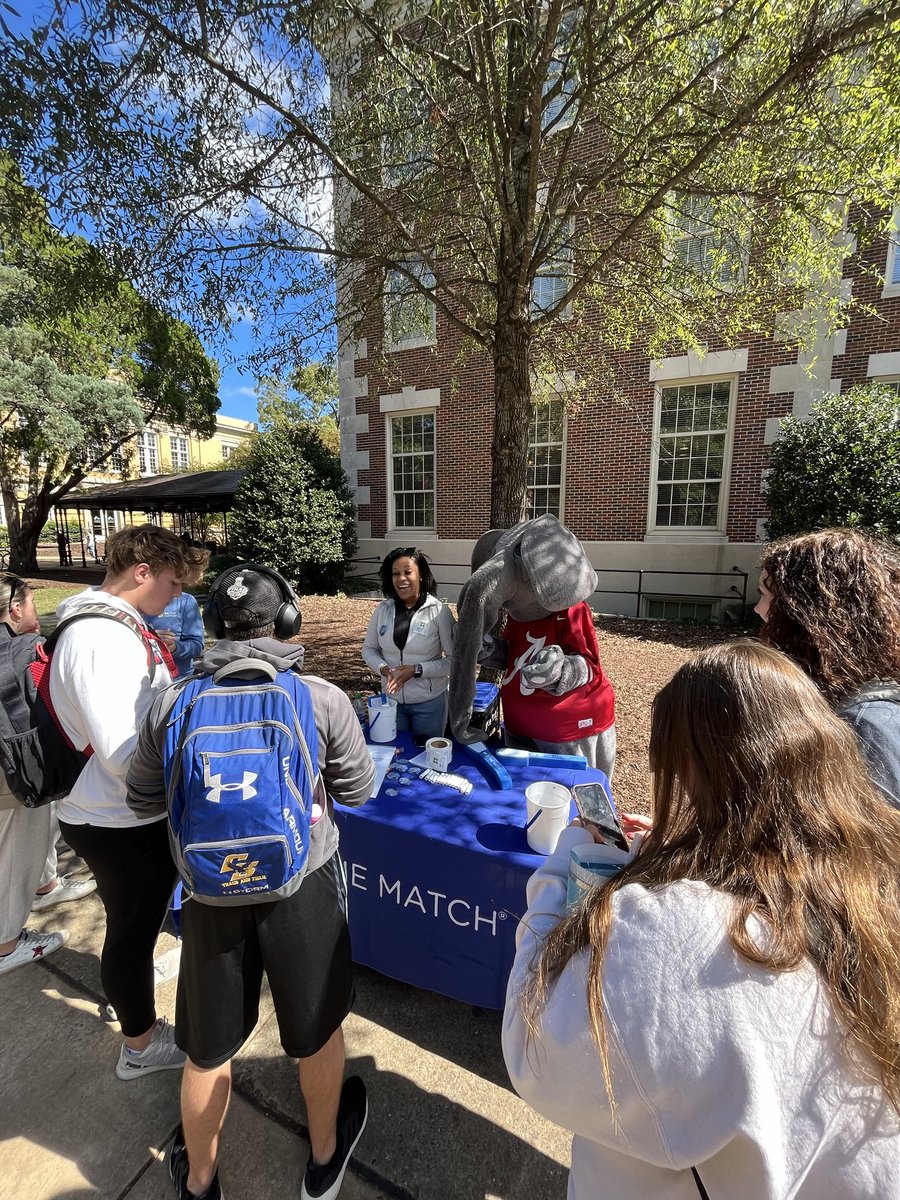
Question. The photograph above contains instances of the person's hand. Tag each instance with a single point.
(168, 638)
(633, 823)
(577, 823)
(397, 677)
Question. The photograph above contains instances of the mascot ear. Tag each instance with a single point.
(484, 548)
(479, 606)
(556, 564)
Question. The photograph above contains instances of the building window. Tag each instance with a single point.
(148, 453)
(228, 448)
(693, 425)
(893, 384)
(409, 319)
(698, 246)
(181, 457)
(546, 455)
(553, 277)
(561, 108)
(411, 438)
(406, 142)
(892, 266)
(118, 462)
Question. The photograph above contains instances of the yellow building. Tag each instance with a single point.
(164, 450)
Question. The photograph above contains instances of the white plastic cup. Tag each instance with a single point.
(438, 751)
(547, 808)
(382, 719)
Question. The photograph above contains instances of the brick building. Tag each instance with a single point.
(661, 480)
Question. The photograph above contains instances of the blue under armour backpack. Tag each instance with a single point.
(240, 781)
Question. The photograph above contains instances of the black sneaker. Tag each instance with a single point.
(178, 1172)
(324, 1183)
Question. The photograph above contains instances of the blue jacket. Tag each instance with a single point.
(873, 714)
(183, 618)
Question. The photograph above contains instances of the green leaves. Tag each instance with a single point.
(294, 510)
(839, 467)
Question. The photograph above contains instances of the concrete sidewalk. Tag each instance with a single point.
(443, 1122)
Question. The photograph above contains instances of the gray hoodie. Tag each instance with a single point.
(344, 761)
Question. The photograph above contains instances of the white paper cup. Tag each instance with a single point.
(438, 751)
(382, 718)
(547, 807)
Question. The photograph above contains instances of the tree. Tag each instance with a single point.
(841, 466)
(309, 396)
(294, 509)
(515, 164)
(84, 363)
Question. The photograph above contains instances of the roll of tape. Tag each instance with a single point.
(439, 751)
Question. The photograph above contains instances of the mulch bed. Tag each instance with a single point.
(638, 656)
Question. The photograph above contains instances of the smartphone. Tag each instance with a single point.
(595, 808)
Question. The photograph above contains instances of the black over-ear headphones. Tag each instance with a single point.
(287, 618)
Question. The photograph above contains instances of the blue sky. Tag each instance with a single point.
(237, 386)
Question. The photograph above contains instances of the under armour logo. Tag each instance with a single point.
(237, 589)
(217, 787)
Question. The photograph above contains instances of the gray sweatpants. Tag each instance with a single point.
(27, 861)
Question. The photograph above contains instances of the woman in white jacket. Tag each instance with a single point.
(725, 1013)
(409, 642)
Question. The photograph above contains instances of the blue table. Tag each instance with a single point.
(436, 880)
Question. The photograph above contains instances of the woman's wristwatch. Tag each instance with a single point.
(417, 671)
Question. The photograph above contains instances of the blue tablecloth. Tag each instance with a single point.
(436, 879)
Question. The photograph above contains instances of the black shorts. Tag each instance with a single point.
(303, 945)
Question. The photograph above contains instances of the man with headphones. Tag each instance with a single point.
(301, 942)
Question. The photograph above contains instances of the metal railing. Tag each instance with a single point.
(737, 590)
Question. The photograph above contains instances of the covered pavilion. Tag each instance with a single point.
(188, 500)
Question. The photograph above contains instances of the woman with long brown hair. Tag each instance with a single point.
(724, 1014)
(831, 600)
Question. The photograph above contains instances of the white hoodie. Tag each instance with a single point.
(715, 1063)
(101, 689)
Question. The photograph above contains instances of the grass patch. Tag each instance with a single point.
(46, 599)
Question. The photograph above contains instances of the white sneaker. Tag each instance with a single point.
(31, 947)
(66, 888)
(161, 1054)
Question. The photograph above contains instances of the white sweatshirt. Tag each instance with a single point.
(101, 690)
(715, 1063)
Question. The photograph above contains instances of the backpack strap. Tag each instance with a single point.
(151, 642)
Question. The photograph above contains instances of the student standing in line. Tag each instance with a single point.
(724, 1014)
(409, 642)
(27, 835)
(104, 675)
(831, 600)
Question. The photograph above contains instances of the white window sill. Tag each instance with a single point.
(889, 290)
(410, 344)
(680, 534)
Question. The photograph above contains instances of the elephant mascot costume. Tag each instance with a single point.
(555, 695)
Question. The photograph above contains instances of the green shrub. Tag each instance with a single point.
(294, 510)
(841, 466)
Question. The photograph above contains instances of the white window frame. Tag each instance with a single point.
(893, 383)
(181, 457)
(415, 160)
(691, 533)
(530, 486)
(558, 266)
(892, 262)
(400, 415)
(228, 448)
(148, 449)
(707, 270)
(414, 340)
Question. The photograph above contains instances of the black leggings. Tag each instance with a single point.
(135, 875)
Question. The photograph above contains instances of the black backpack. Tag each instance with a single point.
(39, 763)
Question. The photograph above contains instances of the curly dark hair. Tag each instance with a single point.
(835, 607)
(426, 579)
